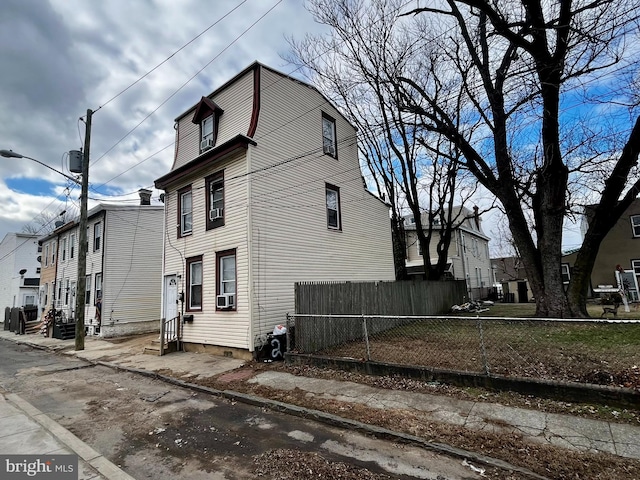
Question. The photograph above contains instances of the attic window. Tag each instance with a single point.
(207, 114)
(207, 140)
(329, 142)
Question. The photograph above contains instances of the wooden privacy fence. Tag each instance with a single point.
(393, 299)
(379, 298)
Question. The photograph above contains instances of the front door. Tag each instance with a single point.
(170, 306)
(170, 297)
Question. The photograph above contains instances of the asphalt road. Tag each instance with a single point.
(155, 430)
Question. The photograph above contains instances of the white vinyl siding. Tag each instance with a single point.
(131, 267)
(236, 102)
(210, 326)
(290, 239)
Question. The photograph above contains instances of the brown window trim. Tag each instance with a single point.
(219, 222)
(187, 295)
(179, 211)
(219, 255)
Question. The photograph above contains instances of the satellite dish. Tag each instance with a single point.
(23, 271)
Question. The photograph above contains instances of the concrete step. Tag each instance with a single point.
(153, 348)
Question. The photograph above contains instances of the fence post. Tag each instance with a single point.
(485, 362)
(162, 326)
(288, 331)
(366, 337)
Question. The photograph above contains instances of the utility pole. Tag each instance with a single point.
(82, 247)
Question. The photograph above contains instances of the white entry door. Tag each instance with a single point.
(170, 297)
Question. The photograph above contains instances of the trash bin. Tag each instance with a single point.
(275, 346)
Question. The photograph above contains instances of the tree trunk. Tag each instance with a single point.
(399, 248)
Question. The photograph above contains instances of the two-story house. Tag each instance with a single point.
(265, 191)
(618, 258)
(468, 256)
(20, 270)
(123, 268)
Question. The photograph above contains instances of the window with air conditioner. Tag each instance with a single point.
(215, 200)
(226, 280)
(206, 128)
(329, 142)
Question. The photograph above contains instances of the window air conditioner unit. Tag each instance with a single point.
(206, 144)
(226, 300)
(215, 213)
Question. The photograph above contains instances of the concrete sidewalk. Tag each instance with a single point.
(24, 430)
(574, 433)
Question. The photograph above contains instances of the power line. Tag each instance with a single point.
(188, 81)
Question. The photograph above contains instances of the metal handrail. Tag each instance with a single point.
(169, 332)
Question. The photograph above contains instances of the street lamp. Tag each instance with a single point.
(12, 154)
(82, 247)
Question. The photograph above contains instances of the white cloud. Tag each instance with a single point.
(65, 56)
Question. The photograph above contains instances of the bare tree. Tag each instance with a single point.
(45, 223)
(497, 79)
(357, 66)
(517, 62)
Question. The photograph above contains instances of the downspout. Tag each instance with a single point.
(104, 259)
(164, 257)
(250, 259)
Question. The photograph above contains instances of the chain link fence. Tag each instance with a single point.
(602, 352)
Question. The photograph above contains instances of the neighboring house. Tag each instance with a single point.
(265, 191)
(20, 270)
(621, 247)
(468, 257)
(510, 274)
(123, 268)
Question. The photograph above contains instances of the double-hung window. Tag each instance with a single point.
(207, 115)
(635, 225)
(185, 212)
(329, 142)
(98, 288)
(54, 248)
(226, 280)
(87, 290)
(334, 220)
(215, 200)
(72, 245)
(194, 283)
(207, 140)
(63, 247)
(46, 255)
(97, 236)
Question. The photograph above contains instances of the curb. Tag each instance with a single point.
(333, 420)
(303, 412)
(97, 461)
